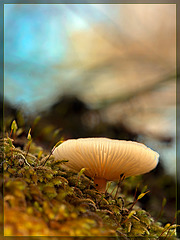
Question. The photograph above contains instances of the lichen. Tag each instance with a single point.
(43, 198)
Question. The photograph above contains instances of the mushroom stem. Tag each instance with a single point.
(100, 184)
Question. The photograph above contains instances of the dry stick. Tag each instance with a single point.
(10, 133)
(108, 187)
(49, 156)
(136, 201)
(52, 141)
(135, 193)
(160, 213)
(28, 148)
(129, 217)
(117, 222)
(133, 205)
(173, 232)
(168, 229)
(113, 190)
(14, 135)
(115, 187)
(22, 152)
(118, 185)
(25, 160)
(125, 220)
(51, 152)
(122, 177)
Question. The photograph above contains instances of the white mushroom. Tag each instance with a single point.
(106, 159)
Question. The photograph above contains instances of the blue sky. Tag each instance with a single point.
(37, 37)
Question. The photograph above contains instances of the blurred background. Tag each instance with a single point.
(85, 70)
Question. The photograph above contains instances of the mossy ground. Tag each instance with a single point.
(43, 198)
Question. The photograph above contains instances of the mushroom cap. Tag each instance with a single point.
(107, 158)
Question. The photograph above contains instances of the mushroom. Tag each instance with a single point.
(107, 159)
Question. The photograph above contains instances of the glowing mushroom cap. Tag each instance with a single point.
(106, 158)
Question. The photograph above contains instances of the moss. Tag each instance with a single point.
(42, 198)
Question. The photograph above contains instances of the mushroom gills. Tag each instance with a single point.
(100, 184)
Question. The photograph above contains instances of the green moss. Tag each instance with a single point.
(41, 197)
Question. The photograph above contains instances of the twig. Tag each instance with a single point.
(168, 229)
(122, 177)
(139, 197)
(25, 160)
(48, 157)
(22, 152)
